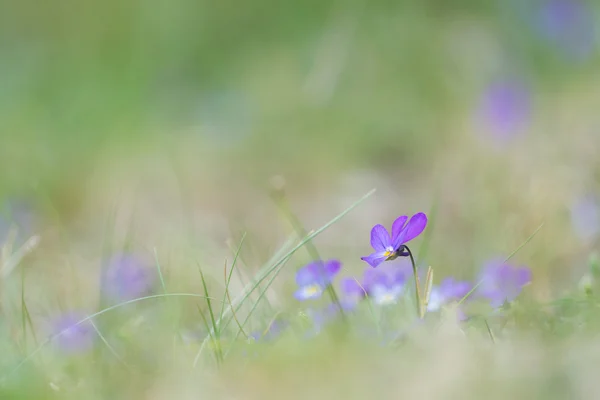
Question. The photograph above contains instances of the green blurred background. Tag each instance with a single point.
(173, 118)
(163, 127)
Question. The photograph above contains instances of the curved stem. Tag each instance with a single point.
(417, 284)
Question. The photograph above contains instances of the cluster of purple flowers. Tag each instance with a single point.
(384, 285)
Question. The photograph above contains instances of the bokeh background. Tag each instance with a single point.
(166, 126)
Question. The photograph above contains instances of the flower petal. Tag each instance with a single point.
(351, 287)
(380, 238)
(308, 274)
(375, 259)
(454, 290)
(415, 226)
(332, 267)
(523, 276)
(397, 228)
(319, 272)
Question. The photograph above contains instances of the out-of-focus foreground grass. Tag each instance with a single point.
(163, 128)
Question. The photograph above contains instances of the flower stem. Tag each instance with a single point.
(417, 284)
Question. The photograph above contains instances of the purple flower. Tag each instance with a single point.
(127, 278)
(568, 25)
(314, 278)
(585, 217)
(390, 247)
(449, 290)
(384, 285)
(70, 337)
(502, 282)
(506, 108)
(352, 291)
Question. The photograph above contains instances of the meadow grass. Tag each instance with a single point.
(167, 171)
(369, 350)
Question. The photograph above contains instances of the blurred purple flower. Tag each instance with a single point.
(126, 278)
(449, 290)
(70, 337)
(352, 292)
(502, 282)
(568, 25)
(506, 108)
(585, 217)
(390, 247)
(384, 285)
(314, 278)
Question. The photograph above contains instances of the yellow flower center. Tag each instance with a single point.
(390, 254)
(312, 290)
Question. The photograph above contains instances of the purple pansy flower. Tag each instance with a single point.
(502, 282)
(390, 247)
(314, 278)
(70, 337)
(126, 278)
(384, 285)
(449, 290)
(506, 108)
(568, 25)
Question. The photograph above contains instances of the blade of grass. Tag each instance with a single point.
(25, 315)
(273, 265)
(505, 260)
(89, 317)
(229, 299)
(253, 308)
(489, 330)
(215, 328)
(164, 288)
(524, 243)
(281, 201)
(228, 277)
(109, 347)
(428, 287)
(232, 309)
(159, 271)
(218, 357)
(265, 272)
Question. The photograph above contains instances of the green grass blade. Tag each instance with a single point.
(505, 260)
(228, 277)
(108, 346)
(264, 273)
(215, 329)
(159, 271)
(281, 201)
(89, 317)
